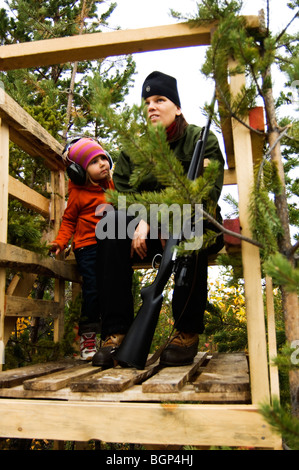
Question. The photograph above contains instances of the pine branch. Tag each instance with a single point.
(235, 116)
(282, 134)
(230, 232)
(287, 26)
(293, 250)
(282, 422)
(159, 198)
(282, 272)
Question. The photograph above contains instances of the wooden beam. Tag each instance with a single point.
(20, 285)
(250, 259)
(30, 198)
(58, 203)
(28, 134)
(226, 129)
(21, 307)
(272, 343)
(100, 45)
(26, 261)
(181, 424)
(4, 159)
(256, 121)
(230, 176)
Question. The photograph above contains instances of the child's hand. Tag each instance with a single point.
(54, 247)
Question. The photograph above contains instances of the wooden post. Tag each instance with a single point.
(4, 159)
(251, 260)
(58, 201)
(273, 370)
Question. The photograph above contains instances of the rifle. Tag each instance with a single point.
(135, 347)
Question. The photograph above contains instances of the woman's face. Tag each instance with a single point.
(161, 110)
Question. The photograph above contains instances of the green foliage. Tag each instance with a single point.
(25, 229)
(25, 348)
(21, 351)
(210, 10)
(72, 315)
(98, 94)
(283, 273)
(230, 39)
(34, 20)
(265, 223)
(253, 52)
(49, 87)
(150, 153)
(47, 114)
(225, 316)
(287, 359)
(282, 422)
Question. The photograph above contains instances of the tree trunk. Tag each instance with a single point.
(289, 299)
(70, 100)
(84, 13)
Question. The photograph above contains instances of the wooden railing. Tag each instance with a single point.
(19, 127)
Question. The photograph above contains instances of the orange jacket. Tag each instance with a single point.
(79, 219)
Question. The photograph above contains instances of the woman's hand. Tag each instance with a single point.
(139, 239)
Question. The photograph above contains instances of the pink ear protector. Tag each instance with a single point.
(75, 171)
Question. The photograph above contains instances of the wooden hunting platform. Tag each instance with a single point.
(213, 402)
(221, 378)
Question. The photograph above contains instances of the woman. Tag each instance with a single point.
(115, 256)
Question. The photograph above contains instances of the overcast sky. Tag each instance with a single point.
(184, 64)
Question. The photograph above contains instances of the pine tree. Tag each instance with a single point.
(66, 85)
(255, 53)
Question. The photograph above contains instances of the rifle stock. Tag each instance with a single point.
(135, 347)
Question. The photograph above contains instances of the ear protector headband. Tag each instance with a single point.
(75, 172)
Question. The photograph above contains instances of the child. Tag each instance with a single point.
(79, 221)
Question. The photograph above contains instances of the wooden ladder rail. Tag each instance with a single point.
(19, 127)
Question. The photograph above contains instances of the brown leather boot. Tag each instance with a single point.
(181, 350)
(103, 358)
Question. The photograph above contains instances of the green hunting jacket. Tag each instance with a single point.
(183, 148)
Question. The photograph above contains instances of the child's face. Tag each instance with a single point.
(99, 167)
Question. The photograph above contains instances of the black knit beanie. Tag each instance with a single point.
(158, 83)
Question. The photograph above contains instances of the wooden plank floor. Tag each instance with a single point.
(221, 378)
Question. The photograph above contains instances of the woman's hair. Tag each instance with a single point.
(178, 129)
